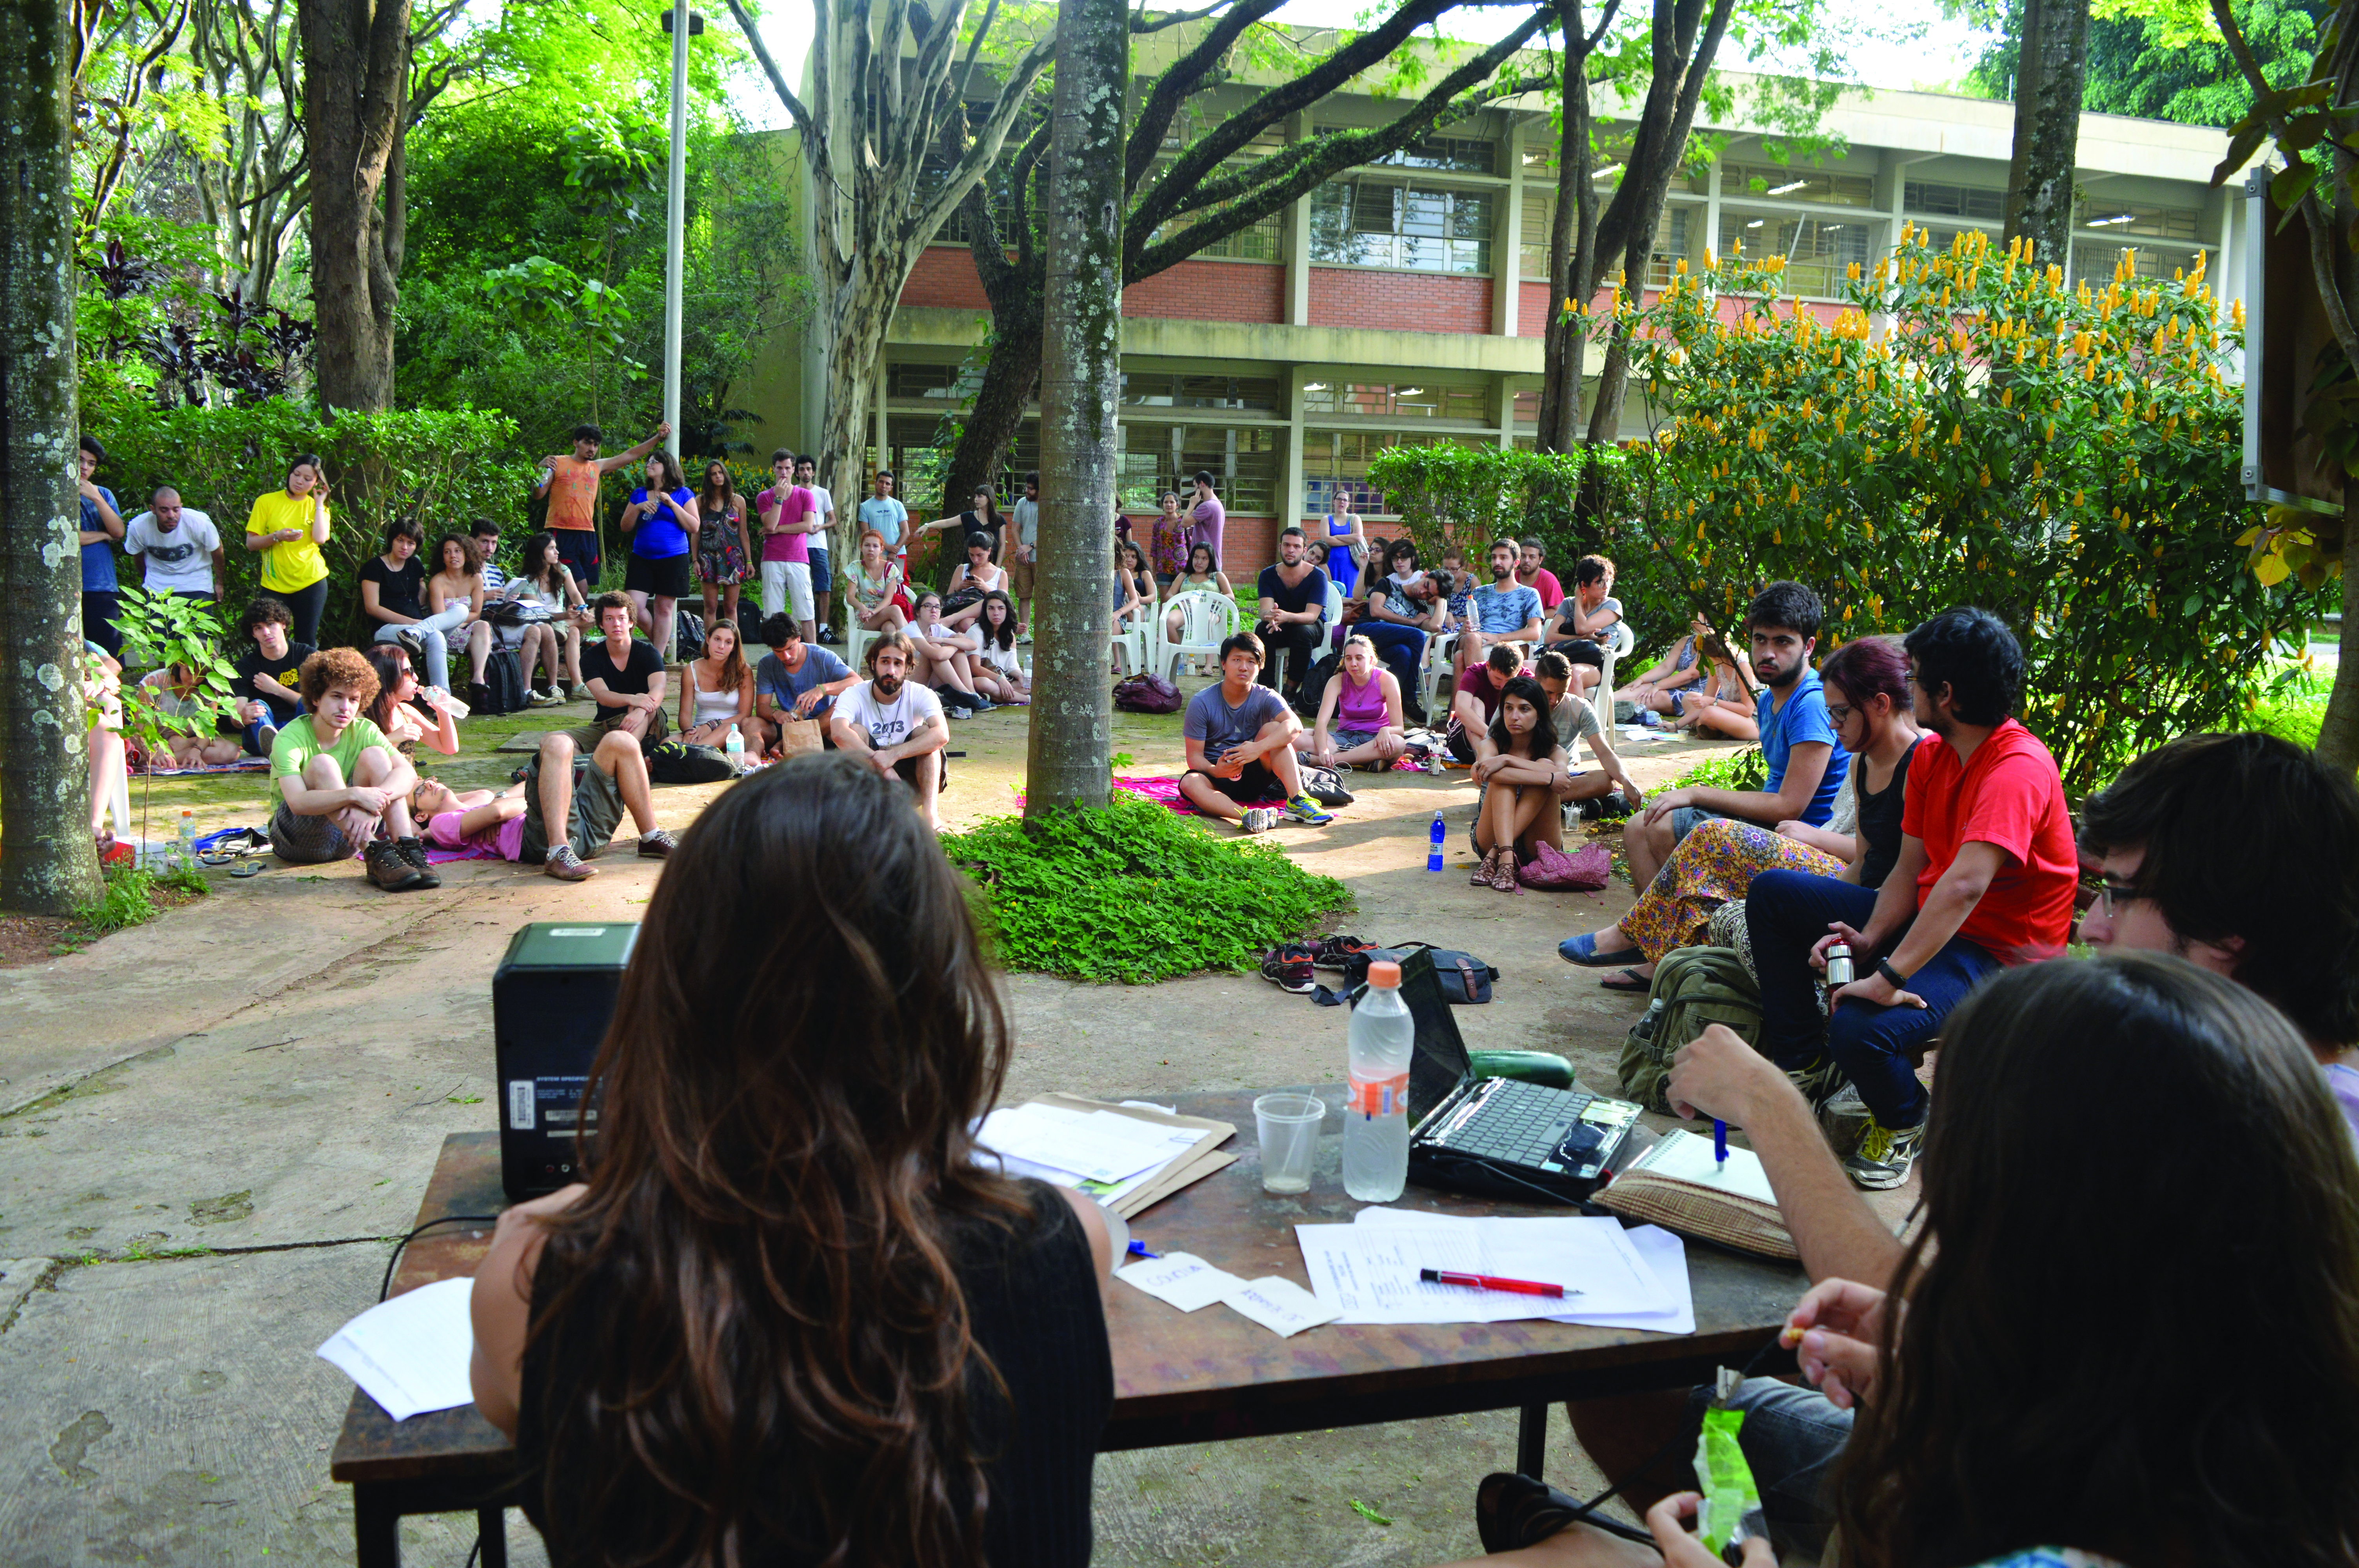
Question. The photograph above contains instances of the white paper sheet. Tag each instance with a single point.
(1280, 1305)
(1688, 1157)
(1096, 1146)
(1183, 1278)
(1666, 1255)
(410, 1354)
(1369, 1269)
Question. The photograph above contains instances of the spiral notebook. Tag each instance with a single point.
(1681, 1185)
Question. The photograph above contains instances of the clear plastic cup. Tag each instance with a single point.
(1287, 1125)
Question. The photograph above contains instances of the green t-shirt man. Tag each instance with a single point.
(297, 744)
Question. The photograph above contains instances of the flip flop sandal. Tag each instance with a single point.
(1627, 981)
(249, 868)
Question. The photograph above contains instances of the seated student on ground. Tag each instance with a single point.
(172, 693)
(1292, 613)
(1204, 576)
(1359, 723)
(1518, 765)
(975, 577)
(1476, 702)
(1866, 684)
(1806, 766)
(1585, 620)
(716, 693)
(263, 691)
(1574, 719)
(458, 584)
(796, 680)
(563, 812)
(998, 670)
(625, 677)
(953, 1416)
(1501, 611)
(394, 711)
(1239, 735)
(1718, 705)
(343, 788)
(942, 658)
(896, 724)
(874, 595)
(1681, 665)
(2002, 1405)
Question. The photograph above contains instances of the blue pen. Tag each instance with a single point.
(1138, 1249)
(1718, 1145)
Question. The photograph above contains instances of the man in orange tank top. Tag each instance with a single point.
(571, 482)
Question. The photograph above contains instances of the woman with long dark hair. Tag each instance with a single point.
(2015, 1397)
(664, 524)
(789, 1319)
(546, 582)
(723, 547)
(394, 711)
(1519, 762)
(287, 527)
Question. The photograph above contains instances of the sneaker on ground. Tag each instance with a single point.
(1260, 818)
(827, 634)
(566, 865)
(1288, 968)
(1819, 1080)
(268, 736)
(414, 853)
(1302, 808)
(545, 696)
(388, 869)
(1884, 1156)
(655, 846)
(981, 704)
(1334, 952)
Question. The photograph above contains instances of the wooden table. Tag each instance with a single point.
(1178, 1376)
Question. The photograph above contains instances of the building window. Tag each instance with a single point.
(1462, 154)
(1372, 222)
(1674, 242)
(2096, 259)
(1528, 407)
(1335, 468)
(949, 385)
(1163, 389)
(2120, 220)
(1407, 400)
(1242, 459)
(1817, 250)
(1954, 201)
(1750, 182)
(1532, 239)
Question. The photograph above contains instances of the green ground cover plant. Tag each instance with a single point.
(1739, 770)
(1135, 892)
(130, 896)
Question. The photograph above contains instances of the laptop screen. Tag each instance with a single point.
(1440, 1064)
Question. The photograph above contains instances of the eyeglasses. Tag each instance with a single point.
(1839, 714)
(2111, 892)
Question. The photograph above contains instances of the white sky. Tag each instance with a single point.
(1896, 43)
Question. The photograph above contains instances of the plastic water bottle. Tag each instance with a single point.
(735, 747)
(1433, 845)
(187, 847)
(1375, 1106)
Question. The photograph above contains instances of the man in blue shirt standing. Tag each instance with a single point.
(1798, 742)
(102, 529)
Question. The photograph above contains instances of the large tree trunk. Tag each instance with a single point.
(2051, 69)
(1009, 379)
(355, 114)
(1572, 247)
(49, 867)
(1070, 758)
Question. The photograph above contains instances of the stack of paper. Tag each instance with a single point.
(1369, 1270)
(1188, 1282)
(1128, 1157)
(410, 1354)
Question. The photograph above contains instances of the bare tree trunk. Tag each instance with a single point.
(356, 57)
(1069, 759)
(1572, 249)
(49, 867)
(2051, 70)
(1009, 378)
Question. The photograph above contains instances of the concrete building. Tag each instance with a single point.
(1405, 303)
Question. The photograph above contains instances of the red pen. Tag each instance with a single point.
(1491, 1283)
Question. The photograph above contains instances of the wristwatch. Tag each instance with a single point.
(1899, 981)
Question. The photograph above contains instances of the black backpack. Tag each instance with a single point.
(1314, 683)
(678, 762)
(504, 676)
(689, 632)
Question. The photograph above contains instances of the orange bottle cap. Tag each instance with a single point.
(1384, 973)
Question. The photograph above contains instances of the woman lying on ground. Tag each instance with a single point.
(2002, 1406)
(1867, 687)
(670, 1345)
(394, 711)
(1518, 765)
(998, 671)
(1359, 723)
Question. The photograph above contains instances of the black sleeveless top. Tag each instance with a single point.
(1879, 817)
(1032, 1300)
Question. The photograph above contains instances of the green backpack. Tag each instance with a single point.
(1694, 988)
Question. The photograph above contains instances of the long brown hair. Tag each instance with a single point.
(733, 668)
(768, 1352)
(719, 503)
(2130, 1162)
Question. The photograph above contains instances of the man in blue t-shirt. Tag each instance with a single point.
(797, 679)
(102, 530)
(1798, 742)
(1500, 610)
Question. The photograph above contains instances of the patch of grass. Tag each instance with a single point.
(2296, 710)
(129, 899)
(1135, 892)
(1745, 769)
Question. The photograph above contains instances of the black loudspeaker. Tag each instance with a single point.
(552, 997)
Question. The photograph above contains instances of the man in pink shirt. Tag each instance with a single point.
(789, 514)
(1207, 518)
(1538, 577)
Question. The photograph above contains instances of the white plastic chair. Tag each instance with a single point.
(1618, 642)
(1134, 646)
(1437, 649)
(857, 639)
(1207, 617)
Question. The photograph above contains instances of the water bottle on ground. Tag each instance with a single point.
(1375, 1108)
(1433, 845)
(735, 747)
(188, 844)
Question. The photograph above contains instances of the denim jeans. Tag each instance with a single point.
(252, 733)
(1787, 913)
(438, 650)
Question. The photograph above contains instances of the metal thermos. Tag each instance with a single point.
(1838, 965)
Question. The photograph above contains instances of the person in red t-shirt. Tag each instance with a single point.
(1985, 877)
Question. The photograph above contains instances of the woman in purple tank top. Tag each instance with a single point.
(1359, 723)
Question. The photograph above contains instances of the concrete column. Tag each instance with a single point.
(1289, 500)
(1710, 212)
(1506, 242)
(1502, 409)
(1298, 242)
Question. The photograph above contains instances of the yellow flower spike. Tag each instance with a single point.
(2039, 470)
(1793, 495)
(1985, 478)
(1679, 269)
(2007, 397)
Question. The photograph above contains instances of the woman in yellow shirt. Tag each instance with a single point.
(288, 526)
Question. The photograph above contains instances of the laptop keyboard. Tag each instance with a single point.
(1517, 1123)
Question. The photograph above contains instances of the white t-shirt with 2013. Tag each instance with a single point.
(180, 561)
(889, 723)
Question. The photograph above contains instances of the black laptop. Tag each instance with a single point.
(1499, 1137)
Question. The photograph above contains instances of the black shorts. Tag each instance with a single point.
(1581, 651)
(1255, 784)
(577, 548)
(658, 577)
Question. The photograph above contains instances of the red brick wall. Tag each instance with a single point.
(1532, 310)
(1399, 301)
(945, 276)
(1247, 544)
(1211, 291)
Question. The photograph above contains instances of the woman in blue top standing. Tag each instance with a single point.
(1347, 547)
(662, 521)
(102, 530)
